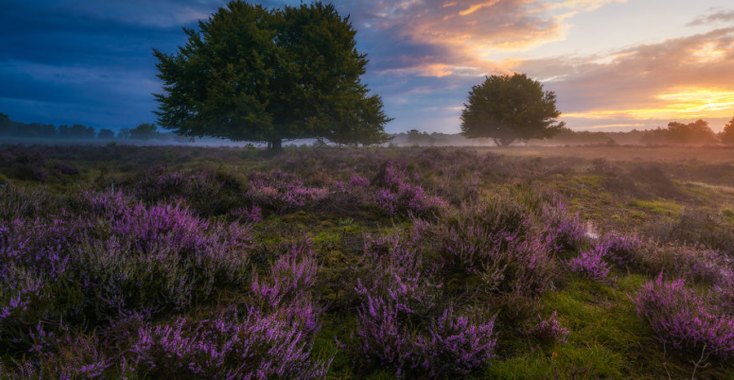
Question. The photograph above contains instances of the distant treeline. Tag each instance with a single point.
(697, 133)
(17, 129)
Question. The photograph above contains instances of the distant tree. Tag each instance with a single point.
(697, 132)
(105, 134)
(145, 131)
(416, 137)
(123, 134)
(76, 132)
(507, 108)
(5, 125)
(727, 135)
(254, 74)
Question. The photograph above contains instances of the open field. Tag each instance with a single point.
(514, 263)
(714, 154)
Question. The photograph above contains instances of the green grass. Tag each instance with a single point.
(606, 340)
(660, 206)
(728, 214)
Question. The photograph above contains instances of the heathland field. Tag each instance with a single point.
(597, 262)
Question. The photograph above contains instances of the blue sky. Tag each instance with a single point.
(614, 64)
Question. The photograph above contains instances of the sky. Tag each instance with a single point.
(614, 65)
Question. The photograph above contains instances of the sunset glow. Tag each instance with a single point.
(424, 56)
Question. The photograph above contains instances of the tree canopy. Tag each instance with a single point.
(255, 74)
(507, 108)
(727, 135)
(144, 131)
(697, 132)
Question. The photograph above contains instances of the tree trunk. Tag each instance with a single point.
(503, 141)
(275, 145)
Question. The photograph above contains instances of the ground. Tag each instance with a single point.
(342, 201)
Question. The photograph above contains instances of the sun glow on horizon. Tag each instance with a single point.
(683, 102)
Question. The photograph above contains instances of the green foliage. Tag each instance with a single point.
(506, 108)
(254, 74)
(416, 137)
(105, 134)
(697, 132)
(76, 131)
(145, 131)
(727, 135)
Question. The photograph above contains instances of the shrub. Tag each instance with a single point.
(619, 249)
(686, 319)
(591, 264)
(548, 330)
(401, 324)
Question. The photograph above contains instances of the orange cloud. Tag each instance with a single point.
(477, 7)
(471, 32)
(682, 78)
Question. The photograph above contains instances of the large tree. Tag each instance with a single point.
(506, 108)
(255, 74)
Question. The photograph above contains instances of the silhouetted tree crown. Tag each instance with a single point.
(697, 132)
(105, 134)
(507, 108)
(255, 74)
(145, 131)
(727, 135)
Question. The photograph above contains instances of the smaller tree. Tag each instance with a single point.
(123, 134)
(5, 125)
(76, 132)
(145, 131)
(727, 135)
(506, 108)
(698, 132)
(105, 134)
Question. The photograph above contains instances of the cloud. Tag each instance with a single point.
(714, 17)
(683, 78)
(92, 60)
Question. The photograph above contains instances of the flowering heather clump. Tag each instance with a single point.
(397, 194)
(693, 263)
(400, 325)
(114, 256)
(163, 228)
(281, 192)
(564, 232)
(359, 182)
(620, 250)
(287, 290)
(590, 264)
(256, 346)
(468, 237)
(66, 168)
(386, 201)
(272, 341)
(456, 344)
(254, 214)
(159, 183)
(686, 319)
(549, 330)
(349, 196)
